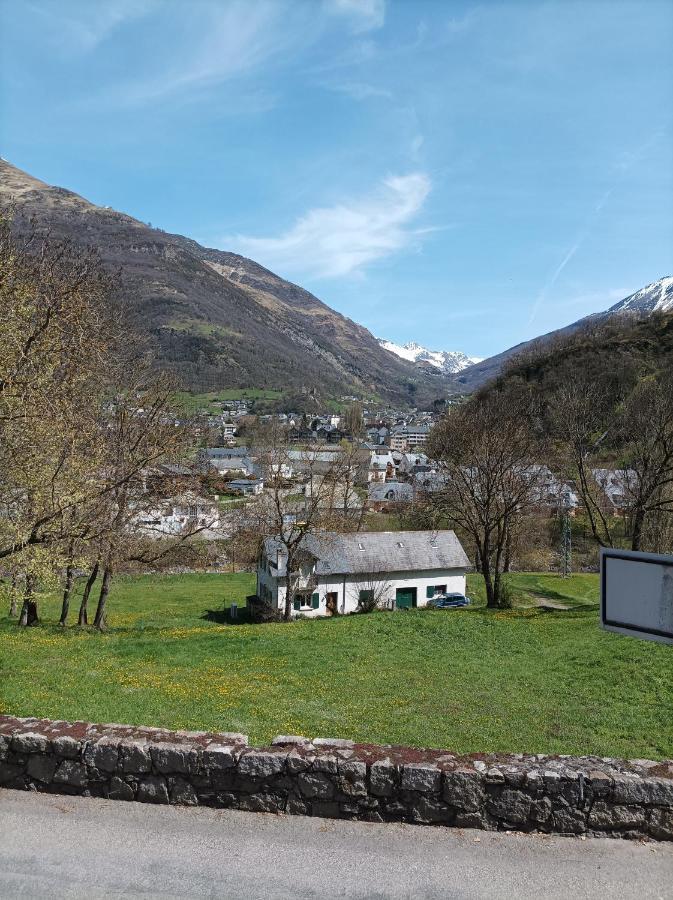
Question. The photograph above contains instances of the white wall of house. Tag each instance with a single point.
(347, 588)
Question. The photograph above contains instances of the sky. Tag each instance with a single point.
(464, 175)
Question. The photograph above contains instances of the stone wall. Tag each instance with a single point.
(339, 779)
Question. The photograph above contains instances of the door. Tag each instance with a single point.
(405, 598)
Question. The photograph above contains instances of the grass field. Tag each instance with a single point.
(210, 401)
(467, 680)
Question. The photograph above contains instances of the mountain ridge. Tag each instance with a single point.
(654, 297)
(217, 319)
(448, 361)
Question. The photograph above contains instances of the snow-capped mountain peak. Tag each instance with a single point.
(655, 297)
(447, 361)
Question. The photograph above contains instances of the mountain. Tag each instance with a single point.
(216, 319)
(654, 298)
(447, 361)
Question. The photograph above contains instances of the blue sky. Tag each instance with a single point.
(466, 175)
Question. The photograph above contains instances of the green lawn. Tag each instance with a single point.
(467, 680)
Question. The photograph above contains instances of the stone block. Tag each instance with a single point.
(421, 777)
(29, 742)
(175, 759)
(268, 802)
(329, 764)
(218, 757)
(283, 740)
(10, 772)
(566, 819)
(102, 755)
(352, 778)
(260, 764)
(315, 785)
(120, 789)
(382, 778)
(334, 743)
(71, 773)
(651, 791)
(541, 810)
(42, 767)
(66, 747)
(135, 757)
(427, 810)
(510, 805)
(464, 789)
(296, 762)
(494, 776)
(152, 789)
(475, 819)
(600, 783)
(610, 816)
(182, 792)
(660, 824)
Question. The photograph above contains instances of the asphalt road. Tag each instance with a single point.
(54, 846)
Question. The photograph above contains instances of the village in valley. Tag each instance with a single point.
(336, 449)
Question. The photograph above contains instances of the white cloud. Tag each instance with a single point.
(328, 242)
(364, 15)
(235, 38)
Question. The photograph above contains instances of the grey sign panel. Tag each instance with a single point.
(637, 594)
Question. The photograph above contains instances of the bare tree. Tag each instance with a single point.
(647, 468)
(297, 501)
(488, 451)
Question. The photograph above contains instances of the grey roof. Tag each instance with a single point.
(224, 452)
(382, 551)
(392, 491)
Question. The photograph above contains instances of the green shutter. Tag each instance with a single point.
(315, 601)
(430, 592)
(297, 603)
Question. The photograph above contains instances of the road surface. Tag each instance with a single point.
(57, 846)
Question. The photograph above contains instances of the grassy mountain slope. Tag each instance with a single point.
(615, 352)
(216, 319)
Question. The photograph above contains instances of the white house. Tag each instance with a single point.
(179, 515)
(398, 568)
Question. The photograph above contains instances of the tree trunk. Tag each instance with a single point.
(637, 529)
(69, 580)
(99, 620)
(13, 603)
(83, 618)
(29, 614)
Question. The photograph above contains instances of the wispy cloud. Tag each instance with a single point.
(626, 161)
(235, 38)
(82, 27)
(363, 15)
(328, 242)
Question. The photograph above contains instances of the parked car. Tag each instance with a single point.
(449, 601)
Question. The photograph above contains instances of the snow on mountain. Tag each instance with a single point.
(448, 361)
(656, 297)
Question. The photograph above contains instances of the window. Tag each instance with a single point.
(307, 601)
(434, 589)
(366, 596)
